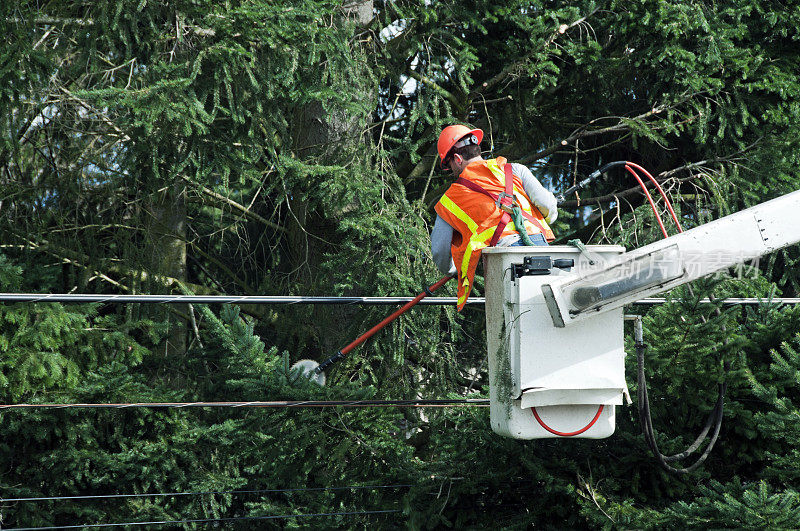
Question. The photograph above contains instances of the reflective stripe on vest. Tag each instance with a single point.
(506, 223)
(477, 241)
(470, 207)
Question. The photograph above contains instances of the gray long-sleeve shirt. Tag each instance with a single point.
(442, 233)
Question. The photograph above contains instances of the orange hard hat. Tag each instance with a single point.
(451, 135)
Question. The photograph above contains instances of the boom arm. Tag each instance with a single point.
(676, 260)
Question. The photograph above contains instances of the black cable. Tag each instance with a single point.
(89, 298)
(205, 520)
(714, 418)
(560, 198)
(732, 301)
(157, 494)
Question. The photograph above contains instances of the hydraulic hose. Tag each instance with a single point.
(714, 420)
(572, 433)
(716, 414)
(643, 399)
(589, 180)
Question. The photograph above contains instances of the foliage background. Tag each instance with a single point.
(286, 147)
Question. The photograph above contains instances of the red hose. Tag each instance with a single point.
(650, 199)
(661, 191)
(565, 434)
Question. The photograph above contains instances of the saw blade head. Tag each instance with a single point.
(308, 369)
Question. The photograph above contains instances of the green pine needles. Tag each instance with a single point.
(287, 148)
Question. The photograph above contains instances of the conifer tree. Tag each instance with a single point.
(252, 147)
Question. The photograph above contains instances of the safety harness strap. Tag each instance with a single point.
(504, 201)
(506, 204)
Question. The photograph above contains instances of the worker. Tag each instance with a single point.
(476, 211)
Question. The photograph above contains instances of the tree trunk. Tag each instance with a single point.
(321, 135)
(165, 254)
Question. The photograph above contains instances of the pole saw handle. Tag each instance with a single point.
(372, 331)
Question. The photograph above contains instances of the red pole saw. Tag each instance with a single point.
(315, 371)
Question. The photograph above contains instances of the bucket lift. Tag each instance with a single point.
(554, 318)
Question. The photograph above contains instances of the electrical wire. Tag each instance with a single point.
(206, 520)
(468, 402)
(199, 493)
(732, 301)
(281, 300)
(85, 298)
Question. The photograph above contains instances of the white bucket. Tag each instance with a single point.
(547, 381)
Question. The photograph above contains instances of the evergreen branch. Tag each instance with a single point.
(508, 70)
(420, 169)
(437, 87)
(33, 246)
(22, 134)
(81, 260)
(102, 115)
(241, 208)
(74, 258)
(85, 22)
(583, 132)
(225, 269)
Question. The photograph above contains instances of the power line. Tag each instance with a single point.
(470, 402)
(198, 493)
(217, 299)
(282, 300)
(206, 520)
(732, 301)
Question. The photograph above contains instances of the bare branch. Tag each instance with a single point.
(438, 88)
(584, 132)
(241, 208)
(53, 21)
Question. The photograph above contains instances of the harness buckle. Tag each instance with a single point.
(506, 206)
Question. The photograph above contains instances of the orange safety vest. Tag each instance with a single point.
(476, 216)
